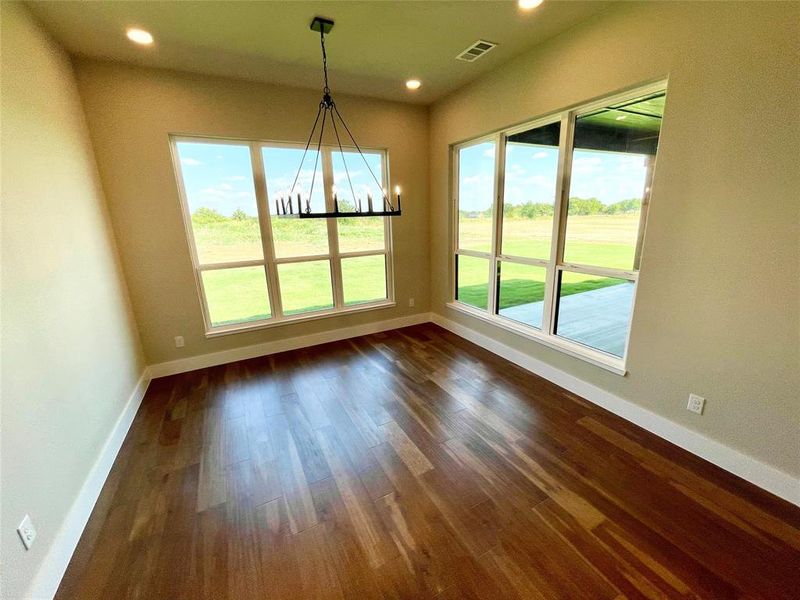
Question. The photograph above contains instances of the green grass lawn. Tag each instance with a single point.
(236, 295)
(598, 240)
(240, 294)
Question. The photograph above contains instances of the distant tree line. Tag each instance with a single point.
(206, 216)
(577, 206)
(528, 210)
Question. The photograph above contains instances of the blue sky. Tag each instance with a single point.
(219, 176)
(531, 175)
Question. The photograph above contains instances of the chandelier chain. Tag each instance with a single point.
(327, 89)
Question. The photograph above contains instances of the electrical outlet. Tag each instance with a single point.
(27, 532)
(411, 302)
(179, 343)
(696, 404)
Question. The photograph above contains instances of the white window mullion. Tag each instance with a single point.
(265, 226)
(333, 229)
(359, 253)
(599, 271)
(231, 265)
(559, 221)
(388, 243)
(455, 166)
(524, 260)
(497, 220)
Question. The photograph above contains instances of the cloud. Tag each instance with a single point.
(480, 179)
(190, 162)
(540, 180)
(213, 191)
(540, 155)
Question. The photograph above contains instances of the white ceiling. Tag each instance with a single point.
(374, 47)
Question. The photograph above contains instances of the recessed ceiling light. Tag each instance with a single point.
(413, 84)
(140, 36)
(529, 4)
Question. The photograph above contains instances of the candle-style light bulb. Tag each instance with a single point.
(397, 190)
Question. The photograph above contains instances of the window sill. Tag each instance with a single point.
(256, 325)
(594, 357)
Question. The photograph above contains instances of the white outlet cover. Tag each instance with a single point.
(411, 302)
(696, 404)
(179, 343)
(27, 532)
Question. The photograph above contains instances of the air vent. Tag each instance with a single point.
(476, 50)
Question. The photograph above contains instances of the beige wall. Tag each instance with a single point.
(718, 298)
(131, 111)
(70, 352)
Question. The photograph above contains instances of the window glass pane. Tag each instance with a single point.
(522, 293)
(360, 233)
(612, 166)
(305, 286)
(475, 197)
(595, 311)
(364, 279)
(293, 236)
(236, 295)
(472, 281)
(530, 191)
(218, 181)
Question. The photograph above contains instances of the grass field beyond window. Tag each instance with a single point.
(605, 240)
(240, 295)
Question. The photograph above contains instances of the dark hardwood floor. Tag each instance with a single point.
(413, 464)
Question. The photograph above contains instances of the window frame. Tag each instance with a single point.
(555, 265)
(270, 262)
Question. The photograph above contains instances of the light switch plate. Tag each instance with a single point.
(27, 532)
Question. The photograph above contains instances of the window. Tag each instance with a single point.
(256, 267)
(549, 223)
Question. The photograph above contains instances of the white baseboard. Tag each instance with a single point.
(334, 335)
(751, 469)
(48, 577)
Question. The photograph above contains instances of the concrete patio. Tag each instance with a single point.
(597, 318)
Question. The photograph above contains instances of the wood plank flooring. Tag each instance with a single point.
(413, 464)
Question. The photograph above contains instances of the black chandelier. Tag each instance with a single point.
(328, 111)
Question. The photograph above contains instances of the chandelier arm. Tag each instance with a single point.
(303, 160)
(364, 158)
(316, 160)
(344, 160)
